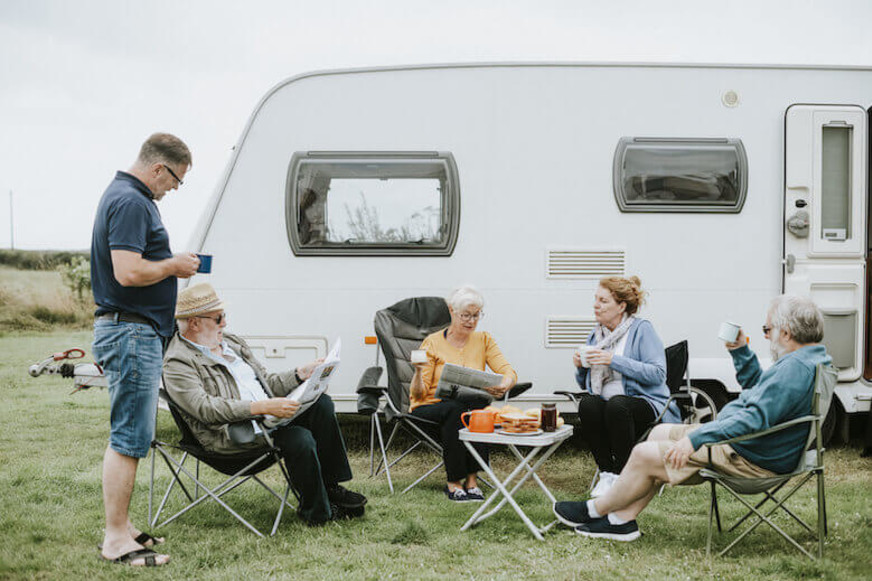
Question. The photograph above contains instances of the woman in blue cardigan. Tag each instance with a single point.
(623, 372)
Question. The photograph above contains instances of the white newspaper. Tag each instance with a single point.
(310, 390)
(456, 376)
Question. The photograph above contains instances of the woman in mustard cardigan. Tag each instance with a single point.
(459, 344)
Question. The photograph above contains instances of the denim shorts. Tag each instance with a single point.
(131, 357)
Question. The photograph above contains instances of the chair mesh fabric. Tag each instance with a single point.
(400, 329)
(676, 365)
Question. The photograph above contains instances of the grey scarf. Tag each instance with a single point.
(607, 341)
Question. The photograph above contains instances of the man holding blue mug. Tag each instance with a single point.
(134, 279)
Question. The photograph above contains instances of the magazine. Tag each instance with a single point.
(310, 390)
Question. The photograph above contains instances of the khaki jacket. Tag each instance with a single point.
(206, 391)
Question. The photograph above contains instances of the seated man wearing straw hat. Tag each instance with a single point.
(216, 380)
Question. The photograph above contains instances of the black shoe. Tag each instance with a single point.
(346, 512)
(456, 495)
(601, 528)
(572, 514)
(344, 498)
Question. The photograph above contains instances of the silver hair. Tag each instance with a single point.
(183, 325)
(799, 316)
(464, 296)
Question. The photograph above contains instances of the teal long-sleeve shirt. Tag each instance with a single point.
(781, 393)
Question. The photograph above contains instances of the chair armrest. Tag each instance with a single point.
(571, 395)
(761, 433)
(242, 432)
(518, 389)
(377, 390)
(369, 379)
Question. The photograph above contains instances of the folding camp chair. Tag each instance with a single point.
(694, 405)
(400, 329)
(238, 467)
(811, 464)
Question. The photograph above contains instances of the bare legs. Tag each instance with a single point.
(119, 475)
(639, 480)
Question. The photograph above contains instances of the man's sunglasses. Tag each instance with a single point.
(218, 320)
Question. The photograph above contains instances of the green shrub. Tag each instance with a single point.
(77, 275)
(39, 259)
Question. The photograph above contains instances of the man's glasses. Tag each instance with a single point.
(466, 317)
(218, 320)
(172, 173)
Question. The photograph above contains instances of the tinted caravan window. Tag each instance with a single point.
(373, 204)
(680, 175)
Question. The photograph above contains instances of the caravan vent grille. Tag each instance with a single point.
(585, 263)
(562, 332)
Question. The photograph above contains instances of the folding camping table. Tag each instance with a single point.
(546, 443)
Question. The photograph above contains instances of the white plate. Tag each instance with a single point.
(534, 433)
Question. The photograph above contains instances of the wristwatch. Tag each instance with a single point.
(297, 376)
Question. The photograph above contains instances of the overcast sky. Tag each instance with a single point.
(83, 82)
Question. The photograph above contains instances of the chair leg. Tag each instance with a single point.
(822, 514)
(372, 420)
(384, 451)
(715, 503)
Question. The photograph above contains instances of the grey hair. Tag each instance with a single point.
(799, 316)
(464, 296)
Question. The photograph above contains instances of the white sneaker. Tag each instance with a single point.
(603, 484)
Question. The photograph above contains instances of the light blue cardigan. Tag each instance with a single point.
(642, 367)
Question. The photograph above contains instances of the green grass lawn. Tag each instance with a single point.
(51, 444)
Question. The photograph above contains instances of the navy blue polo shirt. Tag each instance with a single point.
(128, 219)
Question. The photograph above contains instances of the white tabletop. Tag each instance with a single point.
(543, 439)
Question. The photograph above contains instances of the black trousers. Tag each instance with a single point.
(314, 453)
(458, 461)
(611, 428)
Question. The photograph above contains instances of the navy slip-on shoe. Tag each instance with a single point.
(571, 513)
(601, 528)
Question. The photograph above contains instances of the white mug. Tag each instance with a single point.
(729, 332)
(583, 352)
(419, 356)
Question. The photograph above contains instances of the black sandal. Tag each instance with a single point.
(143, 538)
(128, 558)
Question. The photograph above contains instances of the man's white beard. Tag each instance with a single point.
(776, 349)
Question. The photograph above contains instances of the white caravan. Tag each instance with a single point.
(719, 186)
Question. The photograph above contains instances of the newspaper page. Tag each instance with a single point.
(456, 379)
(310, 390)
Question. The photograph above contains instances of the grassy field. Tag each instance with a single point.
(37, 300)
(51, 444)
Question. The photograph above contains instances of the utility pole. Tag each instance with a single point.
(11, 224)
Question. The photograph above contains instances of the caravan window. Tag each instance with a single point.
(680, 175)
(371, 204)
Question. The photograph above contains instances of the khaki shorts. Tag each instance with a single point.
(723, 458)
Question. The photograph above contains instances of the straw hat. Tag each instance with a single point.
(196, 300)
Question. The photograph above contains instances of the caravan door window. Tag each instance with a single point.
(680, 175)
(372, 204)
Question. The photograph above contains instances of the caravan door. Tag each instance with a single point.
(825, 222)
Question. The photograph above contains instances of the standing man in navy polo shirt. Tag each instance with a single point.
(134, 278)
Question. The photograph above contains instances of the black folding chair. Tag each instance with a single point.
(239, 467)
(400, 329)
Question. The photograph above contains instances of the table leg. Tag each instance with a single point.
(525, 463)
(535, 476)
(507, 496)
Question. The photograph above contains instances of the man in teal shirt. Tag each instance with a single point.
(674, 453)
